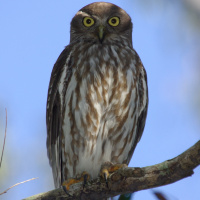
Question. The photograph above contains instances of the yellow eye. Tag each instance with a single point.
(88, 21)
(114, 21)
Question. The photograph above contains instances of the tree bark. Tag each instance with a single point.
(129, 180)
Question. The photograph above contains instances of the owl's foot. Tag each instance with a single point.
(108, 168)
(83, 178)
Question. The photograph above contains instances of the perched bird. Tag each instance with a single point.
(97, 97)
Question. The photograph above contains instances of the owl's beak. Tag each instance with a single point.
(101, 33)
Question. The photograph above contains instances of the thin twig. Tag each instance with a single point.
(4, 140)
(17, 184)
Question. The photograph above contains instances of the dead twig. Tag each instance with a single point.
(4, 140)
(2, 159)
(17, 184)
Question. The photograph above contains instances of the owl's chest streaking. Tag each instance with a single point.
(100, 108)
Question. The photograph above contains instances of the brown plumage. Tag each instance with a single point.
(97, 98)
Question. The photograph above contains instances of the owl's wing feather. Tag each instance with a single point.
(143, 96)
(54, 119)
(143, 106)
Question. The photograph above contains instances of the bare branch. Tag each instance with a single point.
(130, 180)
(17, 184)
(4, 140)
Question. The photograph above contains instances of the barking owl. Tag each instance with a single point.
(97, 97)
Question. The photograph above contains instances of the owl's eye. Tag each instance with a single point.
(88, 21)
(114, 21)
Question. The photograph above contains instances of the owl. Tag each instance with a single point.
(97, 97)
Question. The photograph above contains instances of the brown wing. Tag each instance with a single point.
(53, 118)
(143, 96)
(143, 102)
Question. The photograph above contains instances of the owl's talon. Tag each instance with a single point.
(108, 168)
(83, 178)
(65, 190)
(66, 185)
(86, 177)
(106, 174)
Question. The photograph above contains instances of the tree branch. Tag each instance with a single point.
(128, 180)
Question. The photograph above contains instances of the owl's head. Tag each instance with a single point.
(102, 23)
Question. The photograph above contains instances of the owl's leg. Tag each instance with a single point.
(83, 178)
(108, 168)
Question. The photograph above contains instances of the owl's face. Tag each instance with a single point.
(100, 23)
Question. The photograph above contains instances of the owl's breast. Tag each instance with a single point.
(102, 91)
(101, 104)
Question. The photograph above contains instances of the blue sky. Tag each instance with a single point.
(33, 34)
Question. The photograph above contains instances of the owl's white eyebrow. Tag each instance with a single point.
(81, 12)
(86, 14)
